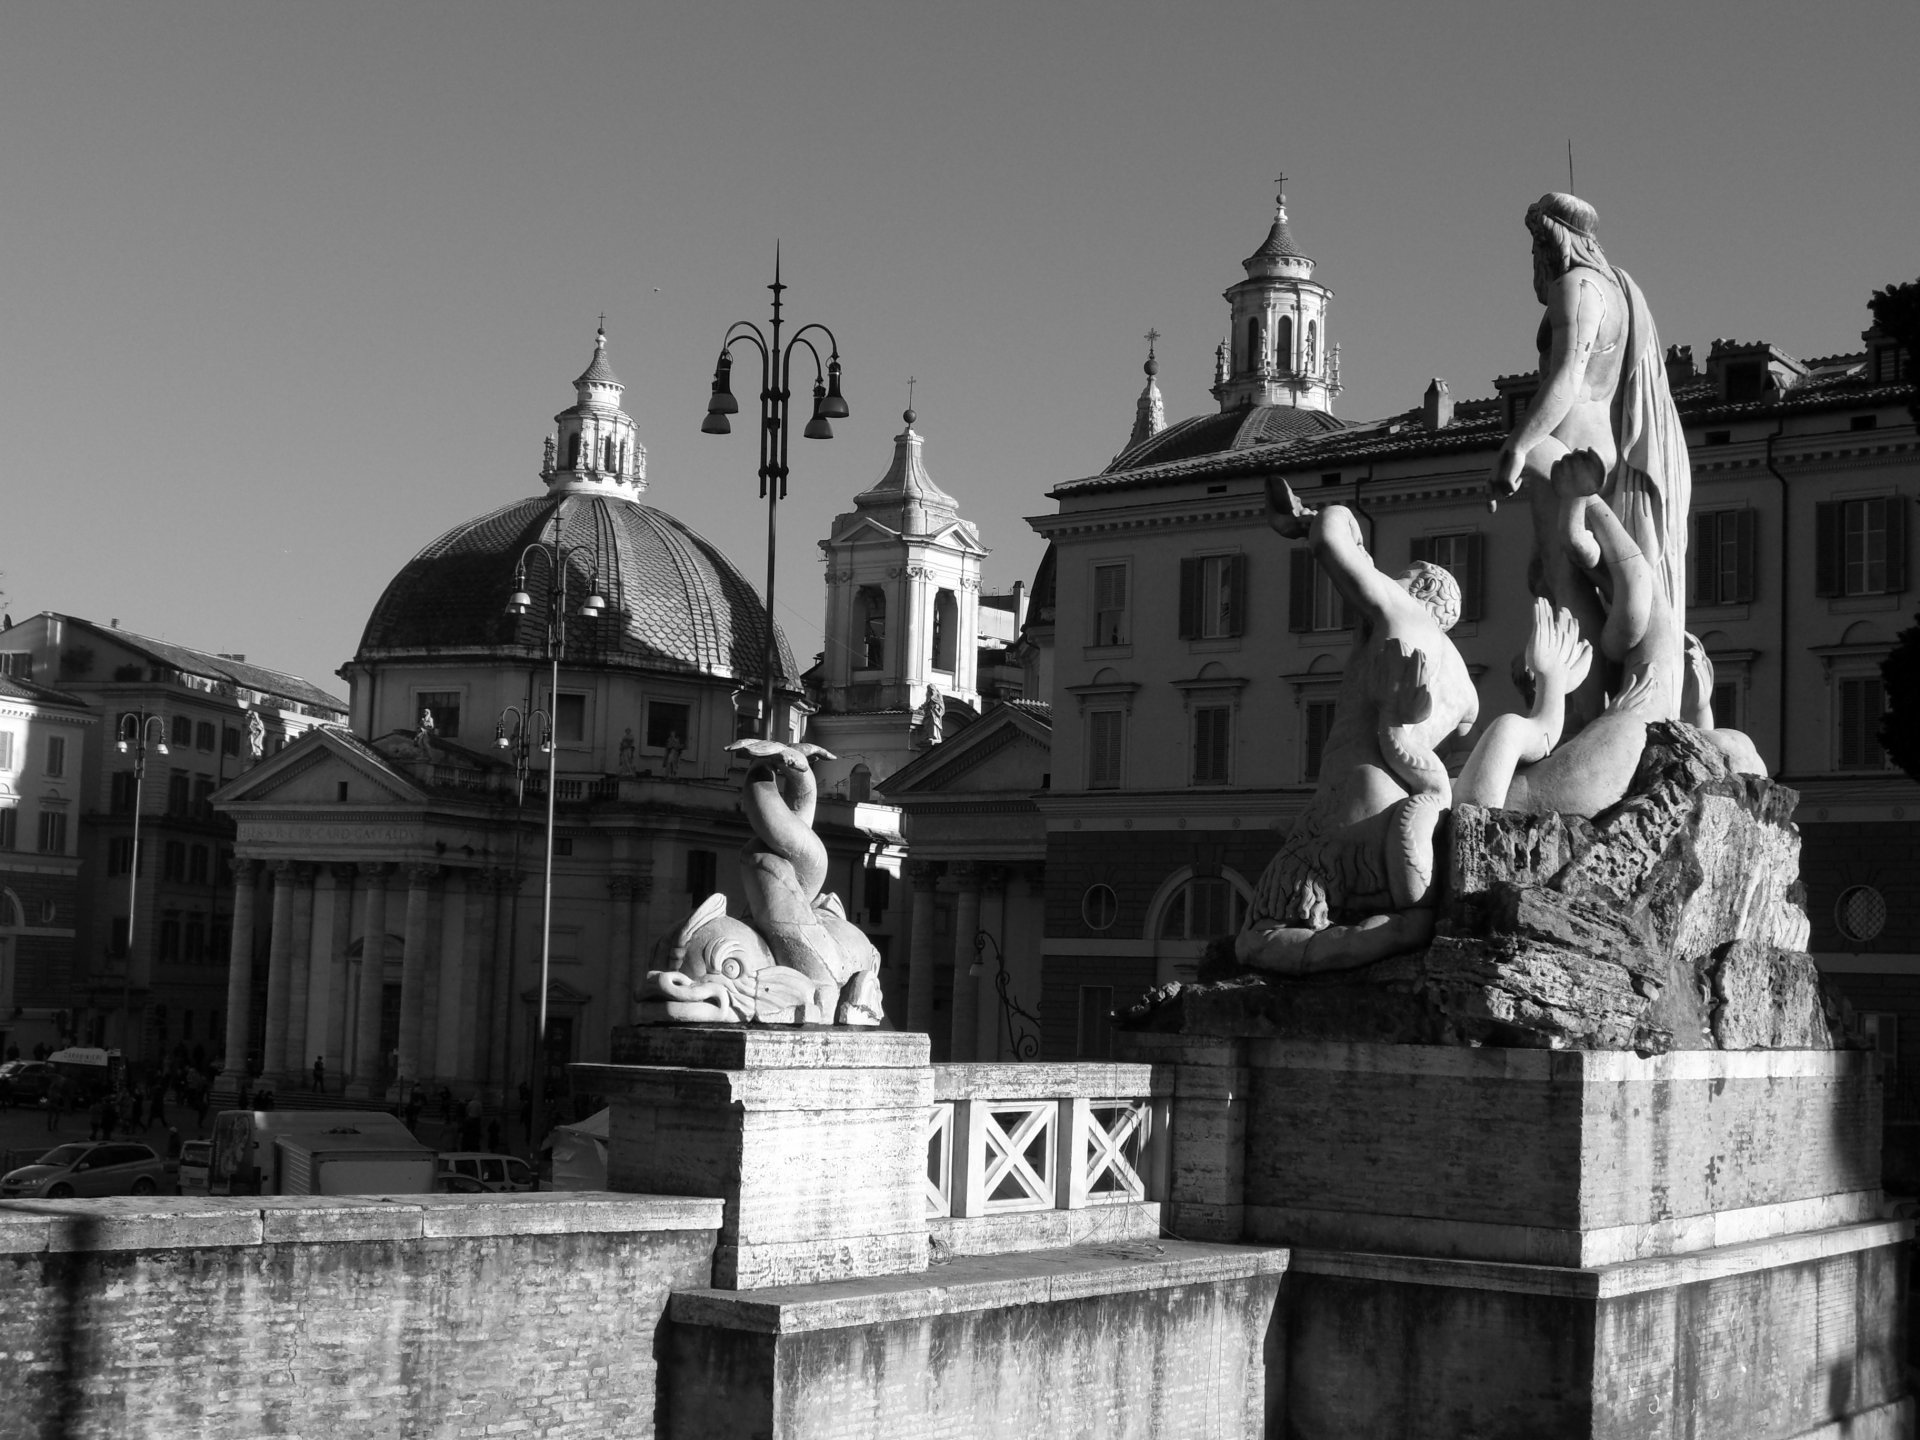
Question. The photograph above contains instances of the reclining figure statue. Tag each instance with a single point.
(797, 958)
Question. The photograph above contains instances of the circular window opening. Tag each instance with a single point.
(1861, 913)
(1099, 907)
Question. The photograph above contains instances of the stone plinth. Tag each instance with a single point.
(814, 1137)
(1576, 1158)
(1150, 1340)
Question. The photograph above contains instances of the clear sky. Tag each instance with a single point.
(289, 290)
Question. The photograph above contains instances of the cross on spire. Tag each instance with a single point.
(1153, 338)
(603, 319)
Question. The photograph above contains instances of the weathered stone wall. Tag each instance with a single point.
(529, 1315)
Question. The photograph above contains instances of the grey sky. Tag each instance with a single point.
(289, 290)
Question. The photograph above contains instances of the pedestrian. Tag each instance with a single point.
(243, 1100)
(106, 1114)
(6, 1092)
(265, 1100)
(416, 1102)
(56, 1100)
(526, 1110)
(320, 1074)
(157, 1103)
(136, 1109)
(470, 1131)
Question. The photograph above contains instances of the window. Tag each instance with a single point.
(1720, 562)
(570, 718)
(117, 937)
(1726, 705)
(203, 796)
(946, 626)
(229, 740)
(1256, 344)
(667, 720)
(1283, 345)
(1106, 749)
(120, 855)
(445, 705)
(1861, 913)
(1461, 553)
(869, 628)
(1099, 907)
(1204, 908)
(1860, 547)
(860, 785)
(197, 865)
(170, 935)
(173, 861)
(53, 832)
(182, 731)
(703, 874)
(1212, 727)
(178, 784)
(1864, 422)
(56, 755)
(125, 790)
(1862, 701)
(1314, 603)
(6, 749)
(879, 892)
(1109, 605)
(1094, 1040)
(1317, 721)
(205, 736)
(1881, 1030)
(9, 828)
(1213, 597)
(16, 664)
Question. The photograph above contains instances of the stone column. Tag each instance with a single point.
(413, 970)
(240, 969)
(331, 1041)
(299, 968)
(639, 953)
(966, 988)
(923, 876)
(622, 974)
(273, 1059)
(468, 1062)
(368, 1062)
(986, 1014)
(497, 999)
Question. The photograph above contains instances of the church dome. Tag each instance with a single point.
(674, 601)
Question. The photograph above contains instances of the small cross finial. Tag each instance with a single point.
(1280, 181)
(603, 319)
(908, 415)
(1153, 338)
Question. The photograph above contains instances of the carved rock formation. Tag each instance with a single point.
(1673, 920)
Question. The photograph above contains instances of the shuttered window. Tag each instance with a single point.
(1462, 554)
(1860, 547)
(1212, 729)
(1862, 702)
(1109, 605)
(1213, 597)
(1313, 603)
(1317, 721)
(1106, 748)
(1720, 558)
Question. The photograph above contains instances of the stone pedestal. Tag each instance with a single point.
(814, 1137)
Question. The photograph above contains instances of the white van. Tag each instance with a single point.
(316, 1152)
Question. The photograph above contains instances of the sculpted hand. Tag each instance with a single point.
(1636, 694)
(1555, 653)
(1400, 680)
(1578, 472)
(1285, 513)
(1507, 465)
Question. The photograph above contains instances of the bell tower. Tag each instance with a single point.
(1277, 351)
(595, 447)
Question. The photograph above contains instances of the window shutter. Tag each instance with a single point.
(1237, 577)
(1189, 599)
(1744, 556)
(1472, 605)
(1418, 549)
(1300, 591)
(1850, 707)
(1827, 539)
(1699, 558)
(1896, 544)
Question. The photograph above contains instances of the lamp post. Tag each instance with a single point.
(1024, 1041)
(520, 603)
(134, 728)
(776, 367)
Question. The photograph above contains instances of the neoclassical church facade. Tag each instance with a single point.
(390, 875)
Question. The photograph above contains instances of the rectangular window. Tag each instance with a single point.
(182, 731)
(197, 865)
(1094, 1040)
(570, 718)
(1109, 604)
(179, 785)
(666, 720)
(56, 755)
(203, 796)
(1462, 554)
(1317, 721)
(124, 787)
(703, 874)
(1860, 547)
(1881, 1030)
(1726, 705)
(9, 828)
(16, 664)
(1314, 603)
(1106, 749)
(53, 832)
(193, 943)
(1213, 590)
(1212, 725)
(205, 735)
(173, 861)
(1862, 702)
(170, 935)
(6, 749)
(119, 854)
(445, 705)
(229, 740)
(117, 937)
(1720, 558)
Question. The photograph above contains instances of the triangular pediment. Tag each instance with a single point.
(864, 528)
(958, 536)
(311, 770)
(1009, 750)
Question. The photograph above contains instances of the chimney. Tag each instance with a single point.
(1680, 366)
(1019, 606)
(1436, 406)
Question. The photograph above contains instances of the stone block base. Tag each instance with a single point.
(1149, 1339)
(1799, 1336)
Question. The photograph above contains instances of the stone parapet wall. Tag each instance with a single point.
(360, 1316)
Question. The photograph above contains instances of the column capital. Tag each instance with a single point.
(993, 877)
(245, 868)
(966, 874)
(377, 870)
(629, 886)
(280, 869)
(344, 873)
(504, 880)
(306, 871)
(423, 873)
(923, 874)
(477, 878)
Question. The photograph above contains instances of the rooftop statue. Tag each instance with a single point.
(1354, 880)
(796, 958)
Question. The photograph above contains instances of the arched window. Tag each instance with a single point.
(1283, 345)
(869, 628)
(623, 456)
(573, 451)
(1313, 346)
(1256, 343)
(1193, 905)
(609, 454)
(946, 625)
(860, 785)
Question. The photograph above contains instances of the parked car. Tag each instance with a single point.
(29, 1080)
(105, 1167)
(194, 1158)
(499, 1173)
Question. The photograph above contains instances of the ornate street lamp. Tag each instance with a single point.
(523, 735)
(1021, 1025)
(776, 366)
(134, 728)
